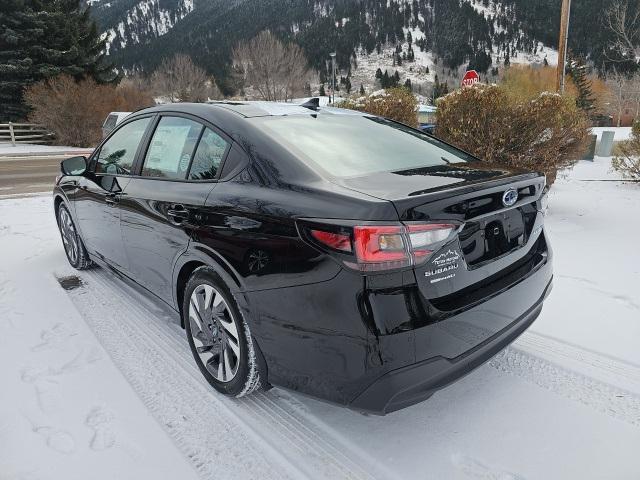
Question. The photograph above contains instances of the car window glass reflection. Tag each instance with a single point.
(208, 156)
(118, 153)
(171, 148)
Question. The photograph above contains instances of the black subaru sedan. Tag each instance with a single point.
(331, 252)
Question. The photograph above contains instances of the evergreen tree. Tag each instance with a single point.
(407, 84)
(585, 99)
(378, 73)
(42, 39)
(362, 92)
(385, 82)
(322, 92)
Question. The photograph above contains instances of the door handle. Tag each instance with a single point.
(178, 213)
(111, 199)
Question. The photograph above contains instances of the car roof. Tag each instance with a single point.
(251, 109)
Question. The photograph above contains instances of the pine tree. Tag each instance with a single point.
(42, 39)
(378, 73)
(407, 84)
(322, 92)
(362, 92)
(585, 100)
(385, 82)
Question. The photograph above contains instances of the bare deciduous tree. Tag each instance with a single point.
(276, 70)
(180, 80)
(624, 23)
(621, 94)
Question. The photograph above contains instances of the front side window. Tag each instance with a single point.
(118, 153)
(171, 148)
(206, 161)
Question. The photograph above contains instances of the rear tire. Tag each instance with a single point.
(218, 335)
(73, 245)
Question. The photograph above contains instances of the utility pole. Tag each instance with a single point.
(562, 44)
(333, 76)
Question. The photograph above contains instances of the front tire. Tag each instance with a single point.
(218, 335)
(73, 246)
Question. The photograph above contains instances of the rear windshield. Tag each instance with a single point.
(355, 145)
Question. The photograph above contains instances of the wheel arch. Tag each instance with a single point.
(58, 199)
(200, 256)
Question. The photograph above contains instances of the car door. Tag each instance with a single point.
(96, 201)
(164, 202)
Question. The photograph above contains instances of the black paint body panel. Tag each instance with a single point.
(375, 342)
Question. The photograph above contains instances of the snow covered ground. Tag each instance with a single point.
(620, 133)
(98, 381)
(25, 149)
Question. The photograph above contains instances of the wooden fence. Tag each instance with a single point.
(16, 133)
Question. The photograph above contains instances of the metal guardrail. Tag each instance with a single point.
(16, 133)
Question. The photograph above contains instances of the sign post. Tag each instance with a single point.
(470, 78)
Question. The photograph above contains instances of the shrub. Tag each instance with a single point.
(627, 162)
(74, 111)
(546, 133)
(398, 104)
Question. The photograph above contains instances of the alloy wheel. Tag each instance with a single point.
(214, 332)
(69, 236)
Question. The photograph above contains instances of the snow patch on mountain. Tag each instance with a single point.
(144, 21)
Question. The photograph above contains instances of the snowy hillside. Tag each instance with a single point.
(448, 34)
(143, 22)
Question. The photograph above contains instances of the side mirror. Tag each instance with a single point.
(74, 166)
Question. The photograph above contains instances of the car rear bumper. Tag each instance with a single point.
(414, 383)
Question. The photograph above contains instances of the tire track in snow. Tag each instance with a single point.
(185, 404)
(531, 358)
(589, 391)
(608, 369)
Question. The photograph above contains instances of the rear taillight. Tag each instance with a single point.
(333, 240)
(385, 247)
(425, 238)
(380, 247)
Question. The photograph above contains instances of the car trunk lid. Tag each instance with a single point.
(492, 236)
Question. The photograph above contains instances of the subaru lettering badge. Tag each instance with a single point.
(510, 197)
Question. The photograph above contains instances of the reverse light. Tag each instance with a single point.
(380, 247)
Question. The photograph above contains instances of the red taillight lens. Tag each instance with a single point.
(333, 240)
(380, 247)
(386, 247)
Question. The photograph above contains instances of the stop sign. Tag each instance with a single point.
(470, 78)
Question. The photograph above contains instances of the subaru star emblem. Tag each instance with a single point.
(510, 197)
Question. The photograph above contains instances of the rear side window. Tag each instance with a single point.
(118, 153)
(171, 148)
(206, 161)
